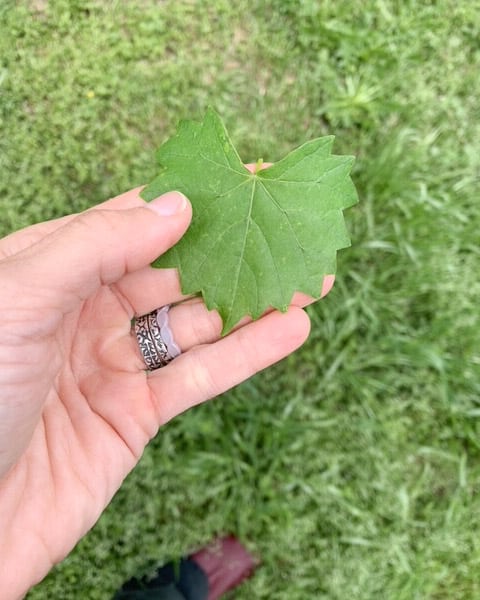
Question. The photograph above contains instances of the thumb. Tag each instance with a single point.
(98, 247)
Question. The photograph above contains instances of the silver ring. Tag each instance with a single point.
(155, 339)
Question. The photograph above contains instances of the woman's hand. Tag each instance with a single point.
(76, 405)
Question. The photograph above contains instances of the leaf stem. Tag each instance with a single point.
(258, 165)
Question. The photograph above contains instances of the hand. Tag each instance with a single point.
(76, 405)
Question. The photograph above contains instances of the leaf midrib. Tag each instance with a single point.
(244, 243)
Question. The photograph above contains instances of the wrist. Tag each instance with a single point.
(24, 558)
(19, 571)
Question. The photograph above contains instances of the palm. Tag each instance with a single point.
(95, 423)
(76, 406)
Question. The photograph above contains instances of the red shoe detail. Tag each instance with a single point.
(226, 563)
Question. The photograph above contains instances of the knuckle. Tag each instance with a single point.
(205, 381)
(205, 325)
(91, 222)
(248, 353)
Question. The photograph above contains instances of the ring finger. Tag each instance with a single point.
(191, 324)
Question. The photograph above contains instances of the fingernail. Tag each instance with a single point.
(328, 282)
(168, 204)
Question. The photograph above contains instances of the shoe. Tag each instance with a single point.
(226, 564)
(205, 575)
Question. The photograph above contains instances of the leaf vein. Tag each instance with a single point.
(225, 166)
(287, 217)
(244, 243)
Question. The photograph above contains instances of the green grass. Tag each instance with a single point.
(352, 468)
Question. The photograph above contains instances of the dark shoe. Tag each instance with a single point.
(174, 581)
(205, 575)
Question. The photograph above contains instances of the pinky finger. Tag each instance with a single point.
(207, 371)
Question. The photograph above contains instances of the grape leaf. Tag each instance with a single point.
(255, 238)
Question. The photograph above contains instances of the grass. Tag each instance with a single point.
(353, 467)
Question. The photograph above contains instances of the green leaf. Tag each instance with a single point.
(255, 238)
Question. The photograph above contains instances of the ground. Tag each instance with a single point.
(352, 468)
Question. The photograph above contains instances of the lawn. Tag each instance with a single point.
(353, 467)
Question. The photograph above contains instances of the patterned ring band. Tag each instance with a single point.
(155, 339)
